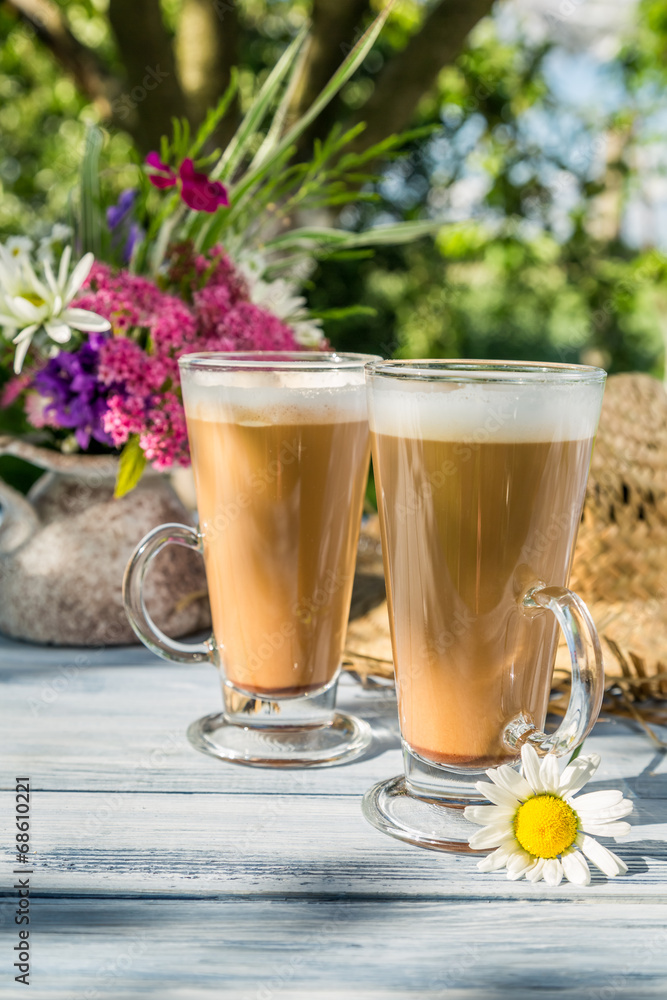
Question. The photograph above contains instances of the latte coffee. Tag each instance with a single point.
(480, 495)
(280, 471)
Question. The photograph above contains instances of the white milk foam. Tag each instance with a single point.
(261, 398)
(502, 412)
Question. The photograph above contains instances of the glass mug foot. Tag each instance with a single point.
(425, 805)
(261, 731)
(393, 808)
(341, 740)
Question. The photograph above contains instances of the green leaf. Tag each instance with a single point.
(321, 240)
(234, 152)
(92, 231)
(347, 68)
(343, 313)
(576, 753)
(216, 114)
(132, 464)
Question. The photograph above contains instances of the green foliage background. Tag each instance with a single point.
(528, 275)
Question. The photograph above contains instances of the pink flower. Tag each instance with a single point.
(152, 328)
(165, 178)
(197, 191)
(14, 388)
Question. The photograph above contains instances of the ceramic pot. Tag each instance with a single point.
(64, 548)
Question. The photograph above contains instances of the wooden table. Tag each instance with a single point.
(160, 872)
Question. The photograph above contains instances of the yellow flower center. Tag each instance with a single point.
(545, 826)
(33, 298)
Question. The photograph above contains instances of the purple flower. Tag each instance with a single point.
(76, 399)
(122, 226)
(117, 213)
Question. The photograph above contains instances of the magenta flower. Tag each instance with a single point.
(165, 178)
(197, 191)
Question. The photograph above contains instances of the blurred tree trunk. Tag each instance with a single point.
(162, 80)
(411, 74)
(206, 51)
(152, 94)
(335, 27)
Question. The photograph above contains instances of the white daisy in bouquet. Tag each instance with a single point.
(40, 306)
(539, 825)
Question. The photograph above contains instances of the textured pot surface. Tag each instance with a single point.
(61, 575)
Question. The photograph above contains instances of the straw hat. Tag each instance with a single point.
(620, 564)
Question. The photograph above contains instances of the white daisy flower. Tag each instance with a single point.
(30, 304)
(539, 829)
(19, 246)
(282, 299)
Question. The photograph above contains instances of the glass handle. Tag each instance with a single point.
(133, 595)
(587, 675)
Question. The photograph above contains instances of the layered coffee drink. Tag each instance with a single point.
(280, 465)
(480, 490)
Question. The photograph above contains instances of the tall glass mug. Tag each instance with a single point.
(480, 472)
(280, 453)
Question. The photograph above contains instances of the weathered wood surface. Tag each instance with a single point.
(160, 872)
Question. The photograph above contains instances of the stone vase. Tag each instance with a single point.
(64, 548)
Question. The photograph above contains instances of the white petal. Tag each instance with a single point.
(26, 311)
(578, 773)
(512, 781)
(530, 766)
(497, 795)
(553, 871)
(50, 277)
(35, 284)
(606, 829)
(21, 352)
(537, 871)
(64, 266)
(60, 332)
(491, 836)
(488, 814)
(575, 868)
(624, 808)
(79, 275)
(25, 334)
(599, 800)
(550, 773)
(84, 319)
(498, 859)
(606, 860)
(519, 864)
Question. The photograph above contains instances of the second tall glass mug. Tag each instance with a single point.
(280, 453)
(481, 471)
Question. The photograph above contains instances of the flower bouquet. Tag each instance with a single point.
(205, 254)
(208, 251)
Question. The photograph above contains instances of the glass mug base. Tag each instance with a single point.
(425, 806)
(265, 731)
